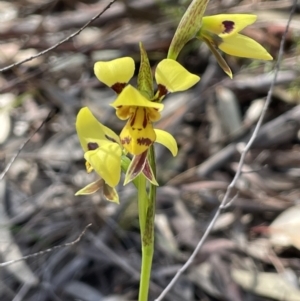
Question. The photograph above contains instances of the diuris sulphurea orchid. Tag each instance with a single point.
(141, 106)
(133, 152)
(222, 32)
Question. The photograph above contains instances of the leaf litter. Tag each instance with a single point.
(253, 251)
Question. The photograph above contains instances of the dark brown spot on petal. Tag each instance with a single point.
(118, 87)
(132, 119)
(162, 91)
(126, 140)
(110, 138)
(229, 26)
(92, 145)
(145, 121)
(144, 141)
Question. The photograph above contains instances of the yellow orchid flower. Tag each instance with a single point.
(142, 107)
(138, 133)
(102, 152)
(222, 31)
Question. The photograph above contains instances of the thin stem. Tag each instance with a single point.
(147, 256)
(146, 253)
(142, 202)
(147, 214)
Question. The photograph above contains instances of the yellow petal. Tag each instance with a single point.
(174, 77)
(132, 97)
(88, 167)
(119, 71)
(167, 140)
(138, 133)
(227, 24)
(125, 112)
(242, 46)
(91, 188)
(106, 161)
(90, 130)
(153, 114)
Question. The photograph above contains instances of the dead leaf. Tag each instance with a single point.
(284, 230)
(270, 285)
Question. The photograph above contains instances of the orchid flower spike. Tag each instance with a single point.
(140, 106)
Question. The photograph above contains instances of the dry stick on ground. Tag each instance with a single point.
(62, 41)
(226, 197)
(72, 243)
(10, 163)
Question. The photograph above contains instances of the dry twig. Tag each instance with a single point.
(6, 169)
(72, 243)
(62, 41)
(230, 187)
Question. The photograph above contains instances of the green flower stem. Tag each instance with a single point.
(146, 206)
(142, 203)
(146, 217)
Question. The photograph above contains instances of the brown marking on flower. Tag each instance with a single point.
(162, 90)
(144, 141)
(145, 121)
(147, 171)
(110, 138)
(126, 140)
(148, 234)
(138, 163)
(118, 87)
(132, 120)
(229, 26)
(92, 145)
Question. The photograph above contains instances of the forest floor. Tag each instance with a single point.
(253, 251)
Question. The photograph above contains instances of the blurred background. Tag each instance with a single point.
(253, 252)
